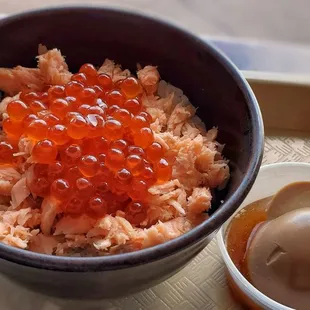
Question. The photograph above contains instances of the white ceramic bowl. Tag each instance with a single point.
(270, 179)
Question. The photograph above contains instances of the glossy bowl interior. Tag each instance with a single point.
(213, 84)
(270, 179)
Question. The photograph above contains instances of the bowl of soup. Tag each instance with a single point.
(263, 243)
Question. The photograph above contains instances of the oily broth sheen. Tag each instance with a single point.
(241, 227)
(237, 236)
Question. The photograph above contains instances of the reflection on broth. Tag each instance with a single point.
(241, 227)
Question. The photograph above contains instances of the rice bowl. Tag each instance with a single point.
(100, 162)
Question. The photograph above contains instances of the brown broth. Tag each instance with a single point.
(237, 236)
(240, 229)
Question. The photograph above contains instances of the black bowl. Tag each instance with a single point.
(213, 84)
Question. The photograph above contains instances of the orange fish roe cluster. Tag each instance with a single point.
(93, 149)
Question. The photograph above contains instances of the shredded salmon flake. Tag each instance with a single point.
(100, 161)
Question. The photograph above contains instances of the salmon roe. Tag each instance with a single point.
(97, 205)
(45, 151)
(61, 189)
(37, 129)
(88, 165)
(17, 110)
(93, 147)
(37, 106)
(6, 152)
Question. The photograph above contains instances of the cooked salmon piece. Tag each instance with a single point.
(25, 217)
(119, 74)
(30, 176)
(163, 197)
(159, 119)
(53, 68)
(171, 96)
(193, 127)
(180, 114)
(162, 213)
(179, 203)
(184, 168)
(117, 228)
(114, 71)
(102, 244)
(167, 140)
(167, 200)
(8, 178)
(218, 174)
(171, 111)
(74, 225)
(16, 227)
(149, 78)
(25, 146)
(166, 104)
(19, 236)
(19, 192)
(43, 244)
(107, 67)
(211, 134)
(50, 208)
(163, 192)
(164, 188)
(163, 232)
(199, 201)
(189, 131)
(205, 159)
(113, 231)
(12, 81)
(35, 220)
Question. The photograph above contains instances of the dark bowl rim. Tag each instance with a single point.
(126, 260)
